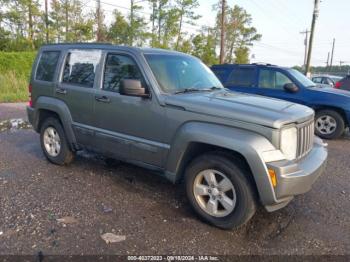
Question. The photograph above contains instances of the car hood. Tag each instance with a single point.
(242, 107)
(333, 91)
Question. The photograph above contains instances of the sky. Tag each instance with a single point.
(280, 23)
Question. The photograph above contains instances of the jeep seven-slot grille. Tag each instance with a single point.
(305, 138)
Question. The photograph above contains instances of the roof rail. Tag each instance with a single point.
(260, 63)
(78, 43)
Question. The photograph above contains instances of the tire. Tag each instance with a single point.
(242, 196)
(329, 124)
(49, 131)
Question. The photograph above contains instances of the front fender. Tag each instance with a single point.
(249, 144)
(61, 109)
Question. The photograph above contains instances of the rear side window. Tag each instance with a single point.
(47, 66)
(119, 67)
(242, 77)
(80, 67)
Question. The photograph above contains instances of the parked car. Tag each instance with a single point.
(325, 81)
(343, 84)
(167, 111)
(332, 106)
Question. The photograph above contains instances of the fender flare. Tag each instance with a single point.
(61, 109)
(247, 143)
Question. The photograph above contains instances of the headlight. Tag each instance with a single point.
(288, 143)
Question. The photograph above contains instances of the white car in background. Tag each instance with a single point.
(325, 80)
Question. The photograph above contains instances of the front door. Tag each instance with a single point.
(271, 84)
(128, 127)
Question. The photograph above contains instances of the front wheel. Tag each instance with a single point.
(329, 124)
(219, 191)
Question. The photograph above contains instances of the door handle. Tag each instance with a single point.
(103, 99)
(61, 91)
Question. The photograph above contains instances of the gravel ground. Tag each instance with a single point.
(150, 212)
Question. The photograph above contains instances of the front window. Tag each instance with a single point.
(301, 78)
(117, 68)
(177, 73)
(272, 79)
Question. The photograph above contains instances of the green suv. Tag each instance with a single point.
(166, 111)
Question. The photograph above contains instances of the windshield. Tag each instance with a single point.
(178, 73)
(301, 78)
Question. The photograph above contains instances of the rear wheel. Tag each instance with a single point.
(219, 191)
(329, 124)
(54, 142)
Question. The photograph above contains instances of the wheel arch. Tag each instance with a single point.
(339, 110)
(51, 107)
(241, 145)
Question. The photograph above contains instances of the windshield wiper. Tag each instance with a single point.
(189, 90)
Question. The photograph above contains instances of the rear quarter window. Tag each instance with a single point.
(47, 66)
(221, 73)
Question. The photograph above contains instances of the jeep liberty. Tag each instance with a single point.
(166, 111)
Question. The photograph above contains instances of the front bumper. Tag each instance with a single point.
(297, 177)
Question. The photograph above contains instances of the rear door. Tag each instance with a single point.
(76, 89)
(243, 79)
(128, 127)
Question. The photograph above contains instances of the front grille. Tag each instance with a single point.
(305, 138)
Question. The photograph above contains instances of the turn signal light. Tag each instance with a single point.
(273, 177)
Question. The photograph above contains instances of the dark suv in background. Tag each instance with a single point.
(343, 84)
(332, 106)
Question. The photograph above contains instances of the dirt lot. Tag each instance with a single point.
(151, 213)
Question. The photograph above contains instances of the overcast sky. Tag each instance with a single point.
(280, 23)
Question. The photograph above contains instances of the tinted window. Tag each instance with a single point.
(47, 66)
(272, 79)
(119, 67)
(220, 73)
(80, 67)
(242, 77)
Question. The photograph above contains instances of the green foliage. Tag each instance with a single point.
(19, 62)
(240, 34)
(15, 68)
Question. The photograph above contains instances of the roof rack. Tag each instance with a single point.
(260, 63)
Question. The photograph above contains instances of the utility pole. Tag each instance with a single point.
(67, 18)
(132, 7)
(99, 23)
(306, 32)
(314, 17)
(46, 22)
(327, 62)
(222, 38)
(332, 56)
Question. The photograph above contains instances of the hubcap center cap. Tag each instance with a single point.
(215, 192)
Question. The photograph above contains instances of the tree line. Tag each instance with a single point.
(27, 24)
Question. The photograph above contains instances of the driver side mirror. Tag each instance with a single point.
(132, 87)
(291, 88)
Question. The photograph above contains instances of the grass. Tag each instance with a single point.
(15, 68)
